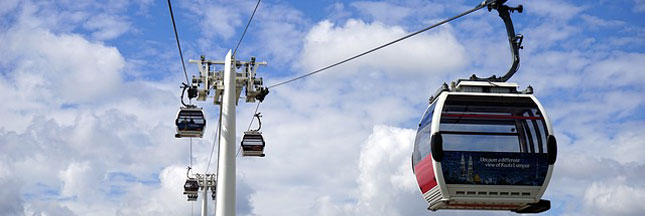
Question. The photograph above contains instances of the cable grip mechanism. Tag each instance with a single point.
(514, 40)
(258, 116)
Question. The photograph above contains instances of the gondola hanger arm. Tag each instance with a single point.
(258, 116)
(514, 40)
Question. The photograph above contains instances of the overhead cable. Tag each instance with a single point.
(254, 113)
(246, 28)
(480, 6)
(181, 55)
(217, 138)
(190, 149)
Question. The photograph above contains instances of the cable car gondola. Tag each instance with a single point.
(190, 122)
(190, 189)
(482, 144)
(253, 142)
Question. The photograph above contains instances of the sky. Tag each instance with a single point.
(90, 91)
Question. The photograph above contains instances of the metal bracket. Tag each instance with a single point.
(215, 79)
(514, 40)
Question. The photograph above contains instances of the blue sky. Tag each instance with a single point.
(90, 90)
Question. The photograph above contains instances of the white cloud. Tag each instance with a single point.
(614, 197)
(165, 199)
(383, 11)
(73, 164)
(386, 183)
(621, 69)
(10, 201)
(327, 43)
(66, 66)
(594, 21)
(106, 27)
(103, 20)
(337, 12)
(78, 177)
(552, 72)
(557, 10)
(215, 19)
(46, 208)
(548, 34)
(48, 70)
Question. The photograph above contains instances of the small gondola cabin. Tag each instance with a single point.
(253, 144)
(190, 189)
(190, 122)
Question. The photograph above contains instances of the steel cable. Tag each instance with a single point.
(246, 28)
(181, 55)
(480, 6)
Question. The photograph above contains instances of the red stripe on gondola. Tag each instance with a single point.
(425, 174)
(484, 116)
(485, 205)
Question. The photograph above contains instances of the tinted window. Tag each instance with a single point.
(492, 124)
(422, 140)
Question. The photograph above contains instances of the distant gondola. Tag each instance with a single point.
(190, 189)
(252, 142)
(190, 122)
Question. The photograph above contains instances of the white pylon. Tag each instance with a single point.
(227, 85)
(226, 163)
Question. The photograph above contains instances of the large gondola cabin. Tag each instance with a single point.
(486, 146)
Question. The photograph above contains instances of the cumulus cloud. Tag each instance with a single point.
(44, 69)
(77, 168)
(47, 208)
(106, 27)
(77, 178)
(64, 66)
(11, 202)
(614, 197)
(386, 183)
(167, 198)
(327, 43)
(618, 69)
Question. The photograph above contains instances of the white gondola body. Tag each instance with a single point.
(502, 181)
